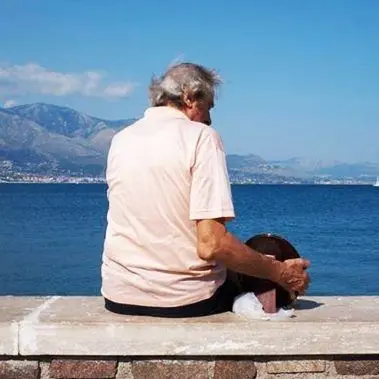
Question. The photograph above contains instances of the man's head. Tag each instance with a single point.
(188, 87)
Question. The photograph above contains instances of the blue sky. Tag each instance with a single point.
(301, 78)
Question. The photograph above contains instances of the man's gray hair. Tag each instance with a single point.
(184, 78)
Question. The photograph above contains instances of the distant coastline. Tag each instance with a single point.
(99, 180)
(68, 146)
(52, 180)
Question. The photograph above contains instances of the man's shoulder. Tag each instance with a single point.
(203, 130)
(212, 136)
(201, 133)
(125, 130)
(191, 126)
(208, 131)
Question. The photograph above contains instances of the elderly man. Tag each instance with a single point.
(167, 249)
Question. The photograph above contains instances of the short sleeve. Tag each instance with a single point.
(210, 195)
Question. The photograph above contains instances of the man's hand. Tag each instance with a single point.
(293, 276)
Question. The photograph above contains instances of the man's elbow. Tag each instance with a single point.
(210, 234)
(207, 252)
(211, 250)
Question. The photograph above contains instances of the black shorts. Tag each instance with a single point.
(220, 302)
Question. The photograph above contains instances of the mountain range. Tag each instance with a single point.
(43, 137)
(49, 139)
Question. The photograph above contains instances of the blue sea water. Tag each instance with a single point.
(51, 235)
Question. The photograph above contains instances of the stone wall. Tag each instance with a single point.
(190, 368)
(75, 337)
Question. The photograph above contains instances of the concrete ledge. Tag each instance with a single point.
(12, 311)
(80, 326)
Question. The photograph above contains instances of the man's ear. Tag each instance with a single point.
(188, 100)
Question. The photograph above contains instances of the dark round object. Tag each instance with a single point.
(270, 244)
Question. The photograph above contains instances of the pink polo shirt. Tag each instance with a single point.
(163, 173)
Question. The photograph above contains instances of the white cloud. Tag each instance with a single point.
(9, 103)
(118, 90)
(35, 79)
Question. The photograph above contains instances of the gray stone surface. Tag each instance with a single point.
(82, 369)
(19, 369)
(124, 370)
(13, 310)
(8, 338)
(341, 309)
(235, 369)
(295, 366)
(358, 366)
(307, 309)
(164, 369)
(81, 326)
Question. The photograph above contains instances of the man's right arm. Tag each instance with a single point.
(211, 204)
(215, 243)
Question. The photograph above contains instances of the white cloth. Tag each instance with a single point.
(248, 305)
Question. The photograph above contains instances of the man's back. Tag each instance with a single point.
(150, 255)
(169, 200)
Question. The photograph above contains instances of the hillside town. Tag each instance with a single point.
(12, 174)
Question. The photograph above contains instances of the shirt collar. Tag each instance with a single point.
(164, 112)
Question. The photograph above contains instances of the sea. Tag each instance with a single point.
(51, 235)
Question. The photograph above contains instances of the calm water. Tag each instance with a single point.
(51, 236)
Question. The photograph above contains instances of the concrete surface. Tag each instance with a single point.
(81, 326)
